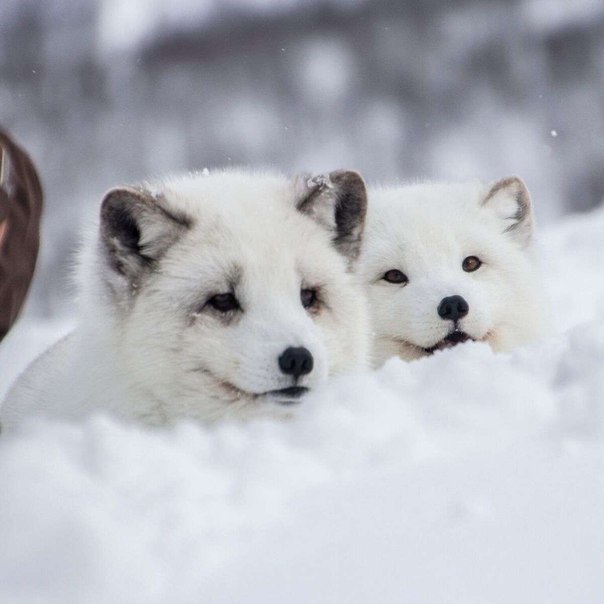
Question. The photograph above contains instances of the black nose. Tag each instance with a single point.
(453, 308)
(296, 361)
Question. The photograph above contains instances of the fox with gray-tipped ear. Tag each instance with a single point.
(510, 200)
(228, 295)
(448, 263)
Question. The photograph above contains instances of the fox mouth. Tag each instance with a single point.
(288, 396)
(449, 341)
(283, 396)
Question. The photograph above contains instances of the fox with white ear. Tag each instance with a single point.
(224, 295)
(448, 263)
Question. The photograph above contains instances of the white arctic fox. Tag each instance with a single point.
(446, 263)
(209, 296)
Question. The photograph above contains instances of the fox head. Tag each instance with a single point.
(448, 263)
(232, 293)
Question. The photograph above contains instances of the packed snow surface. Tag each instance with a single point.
(465, 477)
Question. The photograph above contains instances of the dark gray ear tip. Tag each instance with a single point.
(523, 190)
(519, 184)
(353, 191)
(523, 197)
(114, 202)
(122, 203)
(350, 179)
(338, 202)
(110, 199)
(515, 187)
(119, 196)
(117, 218)
(511, 183)
(520, 221)
(517, 180)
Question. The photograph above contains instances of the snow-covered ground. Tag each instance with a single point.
(465, 477)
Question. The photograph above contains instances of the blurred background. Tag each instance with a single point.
(113, 91)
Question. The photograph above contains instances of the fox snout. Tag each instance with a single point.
(296, 362)
(453, 308)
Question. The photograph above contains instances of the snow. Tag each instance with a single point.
(464, 477)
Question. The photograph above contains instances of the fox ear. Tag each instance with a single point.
(509, 198)
(338, 202)
(136, 230)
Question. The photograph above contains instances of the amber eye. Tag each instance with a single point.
(395, 276)
(471, 264)
(224, 302)
(309, 297)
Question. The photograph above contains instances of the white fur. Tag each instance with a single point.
(159, 355)
(426, 231)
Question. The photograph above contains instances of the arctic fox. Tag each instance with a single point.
(223, 295)
(447, 263)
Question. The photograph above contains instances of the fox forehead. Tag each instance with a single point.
(255, 240)
(241, 210)
(430, 223)
(220, 255)
(428, 243)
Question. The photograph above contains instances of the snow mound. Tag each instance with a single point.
(467, 476)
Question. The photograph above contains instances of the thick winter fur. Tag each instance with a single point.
(151, 345)
(426, 231)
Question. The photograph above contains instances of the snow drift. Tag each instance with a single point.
(466, 476)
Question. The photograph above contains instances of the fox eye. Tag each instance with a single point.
(395, 276)
(224, 302)
(309, 298)
(471, 264)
